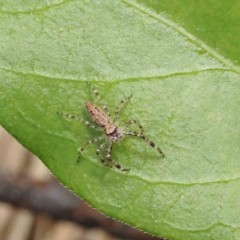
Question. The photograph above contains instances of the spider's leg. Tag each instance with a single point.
(142, 136)
(80, 150)
(80, 120)
(120, 105)
(98, 152)
(104, 106)
(108, 156)
(136, 123)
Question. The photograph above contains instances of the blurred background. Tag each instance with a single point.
(35, 206)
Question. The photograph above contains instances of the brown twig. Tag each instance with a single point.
(56, 201)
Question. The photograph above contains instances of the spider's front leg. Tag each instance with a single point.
(98, 152)
(108, 156)
(142, 136)
(131, 122)
(80, 150)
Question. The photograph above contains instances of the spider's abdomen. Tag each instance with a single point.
(97, 115)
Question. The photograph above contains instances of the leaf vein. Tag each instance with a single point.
(173, 74)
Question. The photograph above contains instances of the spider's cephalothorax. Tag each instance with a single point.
(110, 128)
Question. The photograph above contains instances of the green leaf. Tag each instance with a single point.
(214, 22)
(185, 94)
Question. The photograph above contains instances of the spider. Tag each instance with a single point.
(111, 131)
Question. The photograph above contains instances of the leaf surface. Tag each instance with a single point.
(185, 94)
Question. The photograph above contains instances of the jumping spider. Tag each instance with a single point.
(112, 132)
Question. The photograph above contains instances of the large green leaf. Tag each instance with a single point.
(185, 94)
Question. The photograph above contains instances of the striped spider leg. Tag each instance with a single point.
(149, 142)
(120, 105)
(108, 157)
(80, 120)
(102, 146)
(112, 133)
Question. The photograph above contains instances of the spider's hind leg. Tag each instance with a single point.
(104, 106)
(121, 104)
(80, 120)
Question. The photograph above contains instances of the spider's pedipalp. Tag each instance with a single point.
(142, 136)
(104, 106)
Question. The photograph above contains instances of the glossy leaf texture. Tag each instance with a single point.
(185, 94)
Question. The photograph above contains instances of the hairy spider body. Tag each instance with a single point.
(111, 130)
